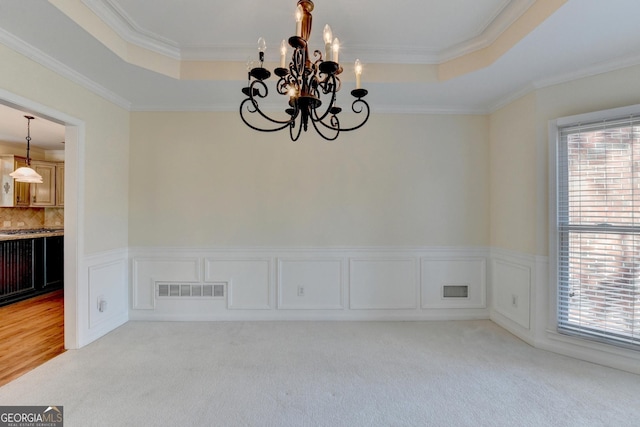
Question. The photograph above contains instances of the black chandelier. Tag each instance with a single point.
(311, 85)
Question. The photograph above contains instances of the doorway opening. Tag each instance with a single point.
(73, 212)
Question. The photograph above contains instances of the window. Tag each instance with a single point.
(598, 230)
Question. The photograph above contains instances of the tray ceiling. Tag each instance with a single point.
(455, 56)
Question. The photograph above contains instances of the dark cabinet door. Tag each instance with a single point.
(17, 268)
(53, 262)
(30, 266)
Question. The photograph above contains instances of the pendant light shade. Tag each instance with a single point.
(25, 173)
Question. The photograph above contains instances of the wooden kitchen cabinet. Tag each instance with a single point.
(22, 190)
(13, 193)
(23, 194)
(43, 195)
(60, 184)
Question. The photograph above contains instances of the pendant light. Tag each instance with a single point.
(25, 173)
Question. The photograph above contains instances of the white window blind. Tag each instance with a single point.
(598, 227)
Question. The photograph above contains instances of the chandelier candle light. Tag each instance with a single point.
(304, 81)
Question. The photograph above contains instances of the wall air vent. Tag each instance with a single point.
(190, 290)
(455, 291)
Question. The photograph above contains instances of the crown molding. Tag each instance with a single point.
(127, 29)
(498, 24)
(601, 68)
(512, 97)
(58, 67)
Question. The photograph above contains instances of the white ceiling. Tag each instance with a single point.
(44, 133)
(582, 37)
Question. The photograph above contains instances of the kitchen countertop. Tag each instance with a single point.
(29, 234)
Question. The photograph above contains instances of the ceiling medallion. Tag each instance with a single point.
(310, 84)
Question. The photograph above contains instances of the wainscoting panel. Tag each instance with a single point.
(248, 281)
(256, 284)
(310, 284)
(147, 271)
(107, 284)
(512, 289)
(466, 277)
(104, 295)
(383, 284)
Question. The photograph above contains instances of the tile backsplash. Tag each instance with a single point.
(54, 217)
(14, 218)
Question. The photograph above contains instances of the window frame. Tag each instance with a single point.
(555, 184)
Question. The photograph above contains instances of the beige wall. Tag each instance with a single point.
(400, 180)
(205, 179)
(520, 152)
(106, 145)
(513, 176)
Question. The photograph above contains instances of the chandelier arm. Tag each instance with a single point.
(329, 105)
(291, 130)
(281, 86)
(330, 83)
(256, 91)
(257, 110)
(317, 119)
(335, 126)
(285, 123)
(359, 111)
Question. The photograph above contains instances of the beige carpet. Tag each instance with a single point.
(467, 373)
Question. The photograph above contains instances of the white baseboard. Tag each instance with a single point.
(513, 327)
(590, 351)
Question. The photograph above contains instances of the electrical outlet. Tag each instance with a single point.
(300, 291)
(102, 304)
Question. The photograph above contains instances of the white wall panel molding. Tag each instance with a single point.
(517, 281)
(107, 283)
(512, 283)
(383, 283)
(359, 283)
(248, 281)
(437, 274)
(311, 284)
(511, 271)
(146, 271)
(106, 276)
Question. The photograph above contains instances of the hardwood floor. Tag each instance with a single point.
(31, 332)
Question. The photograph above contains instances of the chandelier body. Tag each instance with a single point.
(310, 82)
